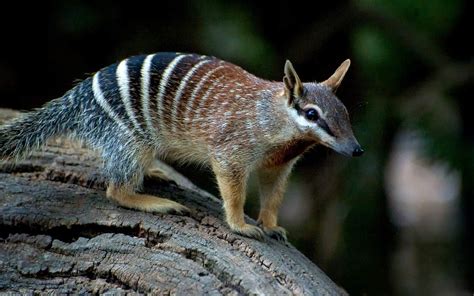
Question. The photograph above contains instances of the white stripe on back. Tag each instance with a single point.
(162, 88)
(179, 92)
(196, 90)
(99, 98)
(145, 91)
(123, 84)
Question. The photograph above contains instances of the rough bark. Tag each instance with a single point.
(58, 233)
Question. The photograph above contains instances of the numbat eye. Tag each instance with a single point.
(311, 114)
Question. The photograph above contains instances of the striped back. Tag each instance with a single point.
(170, 93)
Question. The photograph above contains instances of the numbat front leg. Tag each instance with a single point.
(272, 183)
(232, 184)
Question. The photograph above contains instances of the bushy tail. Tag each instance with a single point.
(31, 130)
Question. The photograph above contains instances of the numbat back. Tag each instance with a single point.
(187, 107)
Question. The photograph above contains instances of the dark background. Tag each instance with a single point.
(398, 221)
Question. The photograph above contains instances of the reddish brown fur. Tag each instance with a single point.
(286, 152)
(183, 126)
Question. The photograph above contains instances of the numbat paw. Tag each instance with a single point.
(164, 206)
(250, 231)
(277, 232)
(157, 174)
(145, 202)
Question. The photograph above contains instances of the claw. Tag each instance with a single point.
(278, 233)
(250, 231)
(182, 210)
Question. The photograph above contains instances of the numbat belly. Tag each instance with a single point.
(193, 108)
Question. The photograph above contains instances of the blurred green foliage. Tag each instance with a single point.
(434, 18)
(236, 21)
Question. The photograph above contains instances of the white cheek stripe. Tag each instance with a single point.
(324, 136)
(304, 124)
(300, 120)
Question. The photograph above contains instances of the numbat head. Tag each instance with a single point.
(318, 113)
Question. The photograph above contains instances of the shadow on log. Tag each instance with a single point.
(58, 233)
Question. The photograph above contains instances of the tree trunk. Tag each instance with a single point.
(58, 233)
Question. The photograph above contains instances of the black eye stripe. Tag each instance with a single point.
(325, 127)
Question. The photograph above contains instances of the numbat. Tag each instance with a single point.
(193, 108)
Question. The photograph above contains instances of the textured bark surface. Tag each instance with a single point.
(58, 233)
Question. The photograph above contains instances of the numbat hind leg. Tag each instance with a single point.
(163, 171)
(143, 202)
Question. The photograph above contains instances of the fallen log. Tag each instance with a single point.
(59, 234)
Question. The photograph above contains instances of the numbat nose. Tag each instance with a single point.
(358, 151)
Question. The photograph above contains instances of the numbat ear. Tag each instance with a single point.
(335, 80)
(293, 85)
